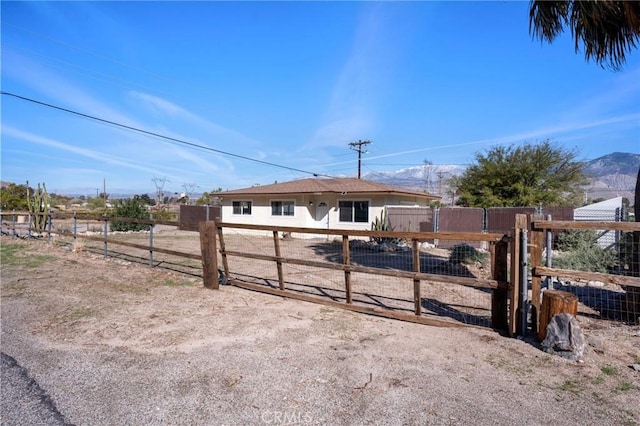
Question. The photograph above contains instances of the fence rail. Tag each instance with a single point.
(615, 296)
(412, 284)
(385, 279)
(13, 228)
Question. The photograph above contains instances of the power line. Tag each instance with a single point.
(158, 135)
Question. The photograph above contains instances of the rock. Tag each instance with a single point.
(385, 248)
(565, 338)
(426, 246)
(635, 367)
(595, 284)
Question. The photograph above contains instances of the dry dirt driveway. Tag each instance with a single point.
(114, 343)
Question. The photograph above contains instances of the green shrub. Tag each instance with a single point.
(580, 251)
(131, 208)
(464, 253)
(164, 215)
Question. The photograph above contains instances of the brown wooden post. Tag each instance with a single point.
(500, 295)
(417, 299)
(276, 243)
(514, 299)
(555, 302)
(346, 259)
(538, 242)
(223, 250)
(209, 254)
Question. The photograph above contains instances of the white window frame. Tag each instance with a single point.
(242, 208)
(353, 210)
(282, 203)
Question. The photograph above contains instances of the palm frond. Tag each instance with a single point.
(607, 29)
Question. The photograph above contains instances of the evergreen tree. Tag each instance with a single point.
(526, 175)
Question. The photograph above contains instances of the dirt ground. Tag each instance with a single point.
(116, 342)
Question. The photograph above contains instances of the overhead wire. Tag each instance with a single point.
(158, 135)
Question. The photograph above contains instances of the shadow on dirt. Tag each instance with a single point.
(399, 260)
(431, 307)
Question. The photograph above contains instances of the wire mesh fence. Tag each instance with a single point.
(375, 272)
(604, 276)
(378, 271)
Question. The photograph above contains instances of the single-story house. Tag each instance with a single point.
(338, 203)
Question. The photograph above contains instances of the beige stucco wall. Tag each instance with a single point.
(306, 209)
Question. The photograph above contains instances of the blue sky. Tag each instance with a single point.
(289, 83)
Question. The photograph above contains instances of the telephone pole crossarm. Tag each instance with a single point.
(357, 146)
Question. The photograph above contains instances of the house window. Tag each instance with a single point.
(242, 207)
(282, 208)
(354, 211)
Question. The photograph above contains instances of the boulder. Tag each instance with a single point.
(565, 338)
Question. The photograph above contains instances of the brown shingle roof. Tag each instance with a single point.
(336, 185)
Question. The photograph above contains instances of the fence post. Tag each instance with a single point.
(151, 242)
(346, 260)
(223, 249)
(549, 257)
(75, 230)
(209, 253)
(276, 244)
(516, 275)
(537, 244)
(524, 284)
(417, 299)
(49, 226)
(13, 224)
(30, 218)
(105, 227)
(500, 295)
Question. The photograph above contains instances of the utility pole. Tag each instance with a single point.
(440, 173)
(357, 146)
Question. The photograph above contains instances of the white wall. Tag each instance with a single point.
(305, 210)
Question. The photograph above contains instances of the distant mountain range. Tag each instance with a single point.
(611, 175)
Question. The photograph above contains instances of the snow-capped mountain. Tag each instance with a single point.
(611, 175)
(430, 177)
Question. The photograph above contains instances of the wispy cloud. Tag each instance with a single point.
(37, 77)
(9, 131)
(173, 110)
(350, 113)
(550, 132)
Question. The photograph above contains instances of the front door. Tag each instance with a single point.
(322, 215)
